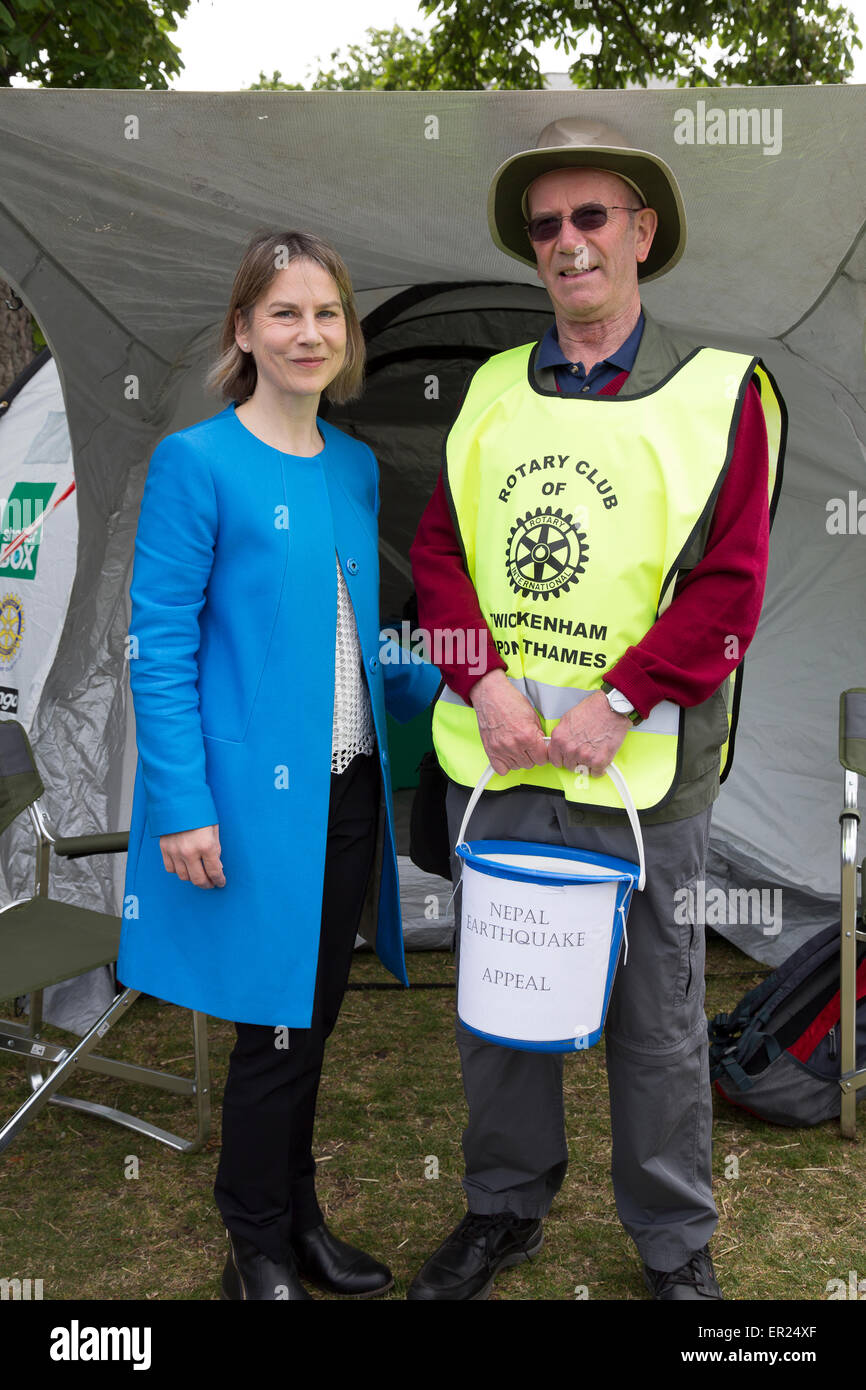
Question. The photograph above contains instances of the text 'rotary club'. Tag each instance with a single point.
(551, 488)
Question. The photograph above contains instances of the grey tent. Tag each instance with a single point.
(123, 216)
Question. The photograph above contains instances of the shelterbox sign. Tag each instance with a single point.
(38, 539)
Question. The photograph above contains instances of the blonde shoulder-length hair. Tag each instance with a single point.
(234, 375)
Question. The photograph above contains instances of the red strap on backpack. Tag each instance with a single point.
(829, 1016)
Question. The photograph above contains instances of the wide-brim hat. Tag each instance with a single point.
(575, 143)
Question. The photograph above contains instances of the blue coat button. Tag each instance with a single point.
(352, 566)
(374, 663)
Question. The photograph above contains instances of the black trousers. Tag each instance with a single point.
(265, 1185)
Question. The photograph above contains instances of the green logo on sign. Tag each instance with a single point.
(22, 512)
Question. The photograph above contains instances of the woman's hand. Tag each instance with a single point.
(194, 855)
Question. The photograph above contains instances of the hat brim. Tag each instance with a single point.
(654, 178)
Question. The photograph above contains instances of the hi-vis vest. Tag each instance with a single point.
(575, 515)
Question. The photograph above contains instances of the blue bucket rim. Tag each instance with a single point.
(570, 1044)
(472, 851)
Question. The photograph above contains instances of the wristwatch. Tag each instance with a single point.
(620, 705)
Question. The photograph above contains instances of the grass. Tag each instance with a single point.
(391, 1103)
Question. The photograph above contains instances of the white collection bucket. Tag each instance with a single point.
(540, 935)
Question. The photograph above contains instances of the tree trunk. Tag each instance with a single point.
(16, 339)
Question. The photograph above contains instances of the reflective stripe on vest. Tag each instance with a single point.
(552, 702)
(574, 513)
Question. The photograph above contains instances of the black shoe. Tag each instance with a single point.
(693, 1280)
(250, 1274)
(336, 1267)
(466, 1264)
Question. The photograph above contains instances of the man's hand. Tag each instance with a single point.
(509, 726)
(194, 855)
(589, 735)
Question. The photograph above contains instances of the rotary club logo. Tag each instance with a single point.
(546, 553)
(11, 628)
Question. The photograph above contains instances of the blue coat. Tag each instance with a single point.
(234, 600)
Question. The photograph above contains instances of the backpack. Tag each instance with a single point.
(778, 1054)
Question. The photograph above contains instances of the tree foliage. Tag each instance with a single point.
(274, 84)
(400, 60)
(477, 44)
(90, 43)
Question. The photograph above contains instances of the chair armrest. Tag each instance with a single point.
(78, 846)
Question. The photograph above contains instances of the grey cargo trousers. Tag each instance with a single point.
(655, 1040)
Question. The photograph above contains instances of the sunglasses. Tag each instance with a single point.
(585, 219)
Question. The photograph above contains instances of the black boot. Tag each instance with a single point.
(336, 1267)
(694, 1280)
(466, 1264)
(250, 1274)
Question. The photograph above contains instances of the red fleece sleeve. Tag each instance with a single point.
(704, 633)
(447, 598)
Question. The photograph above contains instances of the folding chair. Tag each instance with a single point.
(43, 942)
(852, 756)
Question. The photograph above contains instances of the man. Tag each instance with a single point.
(602, 520)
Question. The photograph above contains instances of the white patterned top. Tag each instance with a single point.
(353, 730)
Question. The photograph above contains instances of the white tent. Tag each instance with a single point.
(122, 220)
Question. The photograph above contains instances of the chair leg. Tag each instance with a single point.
(45, 1087)
(62, 1070)
(202, 1082)
(34, 1023)
(848, 1113)
(848, 957)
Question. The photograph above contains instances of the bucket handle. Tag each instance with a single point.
(619, 782)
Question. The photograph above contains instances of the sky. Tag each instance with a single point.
(221, 55)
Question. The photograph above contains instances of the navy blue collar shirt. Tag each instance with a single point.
(571, 377)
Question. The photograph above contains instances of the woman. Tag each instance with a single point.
(262, 831)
